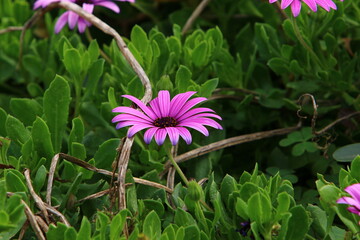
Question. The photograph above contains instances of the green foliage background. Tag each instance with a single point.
(252, 60)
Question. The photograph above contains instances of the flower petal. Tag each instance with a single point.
(350, 201)
(131, 111)
(296, 7)
(125, 124)
(191, 103)
(197, 126)
(149, 134)
(72, 19)
(160, 136)
(354, 191)
(311, 3)
(178, 102)
(197, 111)
(185, 134)
(136, 128)
(354, 210)
(203, 121)
(142, 106)
(109, 5)
(164, 102)
(61, 22)
(81, 25)
(286, 3)
(89, 7)
(154, 105)
(173, 135)
(129, 117)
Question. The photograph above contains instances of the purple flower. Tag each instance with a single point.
(72, 18)
(296, 5)
(354, 200)
(166, 117)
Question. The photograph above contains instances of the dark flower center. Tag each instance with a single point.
(165, 122)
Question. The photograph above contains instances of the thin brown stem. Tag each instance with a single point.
(230, 142)
(11, 29)
(194, 16)
(39, 202)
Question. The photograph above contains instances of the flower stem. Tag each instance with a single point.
(178, 169)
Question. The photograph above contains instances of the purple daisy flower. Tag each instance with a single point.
(72, 18)
(296, 5)
(354, 200)
(166, 117)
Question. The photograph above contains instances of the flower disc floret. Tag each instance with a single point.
(164, 116)
(165, 122)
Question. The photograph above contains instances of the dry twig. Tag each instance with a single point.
(39, 202)
(228, 143)
(11, 29)
(194, 16)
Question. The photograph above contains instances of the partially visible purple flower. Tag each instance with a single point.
(296, 5)
(165, 117)
(72, 18)
(354, 200)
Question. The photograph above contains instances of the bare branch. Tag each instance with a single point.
(39, 202)
(228, 143)
(11, 29)
(194, 16)
(53, 165)
(33, 221)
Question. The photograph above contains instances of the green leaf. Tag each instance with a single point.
(283, 200)
(139, 39)
(77, 132)
(25, 109)
(260, 208)
(208, 87)
(72, 62)
(319, 220)
(298, 224)
(200, 54)
(40, 178)
(93, 50)
(42, 140)
(3, 117)
(56, 109)
(347, 153)
(71, 191)
(56, 232)
(169, 231)
(278, 65)
(192, 232)
(102, 223)
(242, 209)
(85, 230)
(94, 73)
(117, 224)
(16, 130)
(152, 226)
(33, 64)
(14, 182)
(182, 79)
(106, 154)
(70, 234)
(112, 98)
(355, 168)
